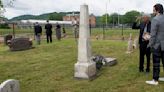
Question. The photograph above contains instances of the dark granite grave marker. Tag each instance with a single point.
(19, 44)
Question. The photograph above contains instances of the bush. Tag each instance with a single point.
(4, 26)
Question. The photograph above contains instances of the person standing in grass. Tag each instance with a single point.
(38, 32)
(75, 23)
(145, 27)
(58, 32)
(48, 28)
(157, 42)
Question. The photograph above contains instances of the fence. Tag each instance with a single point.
(99, 32)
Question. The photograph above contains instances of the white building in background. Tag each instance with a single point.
(45, 21)
(30, 23)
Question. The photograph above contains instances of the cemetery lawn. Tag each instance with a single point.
(50, 68)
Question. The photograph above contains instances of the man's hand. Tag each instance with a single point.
(146, 36)
(138, 19)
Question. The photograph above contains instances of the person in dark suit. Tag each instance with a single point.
(38, 32)
(48, 28)
(157, 42)
(145, 27)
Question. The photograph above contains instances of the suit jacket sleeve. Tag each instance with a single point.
(135, 26)
(140, 37)
(153, 33)
(40, 29)
(46, 26)
(35, 29)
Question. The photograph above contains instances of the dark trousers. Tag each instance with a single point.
(49, 38)
(144, 51)
(38, 38)
(157, 55)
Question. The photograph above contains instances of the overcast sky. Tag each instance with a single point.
(97, 7)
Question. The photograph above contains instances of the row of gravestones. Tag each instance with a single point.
(17, 44)
(10, 85)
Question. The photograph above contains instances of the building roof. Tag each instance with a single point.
(45, 21)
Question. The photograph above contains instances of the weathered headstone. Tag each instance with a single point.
(19, 44)
(130, 45)
(135, 44)
(10, 86)
(97, 37)
(85, 68)
(7, 38)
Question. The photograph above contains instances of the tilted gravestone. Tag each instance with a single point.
(19, 44)
(7, 38)
(10, 86)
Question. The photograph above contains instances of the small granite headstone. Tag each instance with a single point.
(10, 86)
(111, 61)
(19, 44)
(101, 60)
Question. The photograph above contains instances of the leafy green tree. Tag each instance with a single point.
(105, 18)
(56, 16)
(130, 16)
(1, 9)
(114, 18)
(1, 5)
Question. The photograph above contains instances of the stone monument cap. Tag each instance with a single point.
(10, 85)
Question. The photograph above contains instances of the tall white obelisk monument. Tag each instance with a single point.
(84, 68)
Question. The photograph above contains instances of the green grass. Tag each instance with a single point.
(17, 31)
(50, 68)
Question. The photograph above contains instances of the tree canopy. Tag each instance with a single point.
(114, 18)
(130, 16)
(56, 16)
(1, 5)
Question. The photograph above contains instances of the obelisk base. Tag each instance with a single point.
(85, 70)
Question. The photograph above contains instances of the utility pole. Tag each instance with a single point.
(13, 24)
(118, 19)
(106, 15)
(106, 20)
(106, 27)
